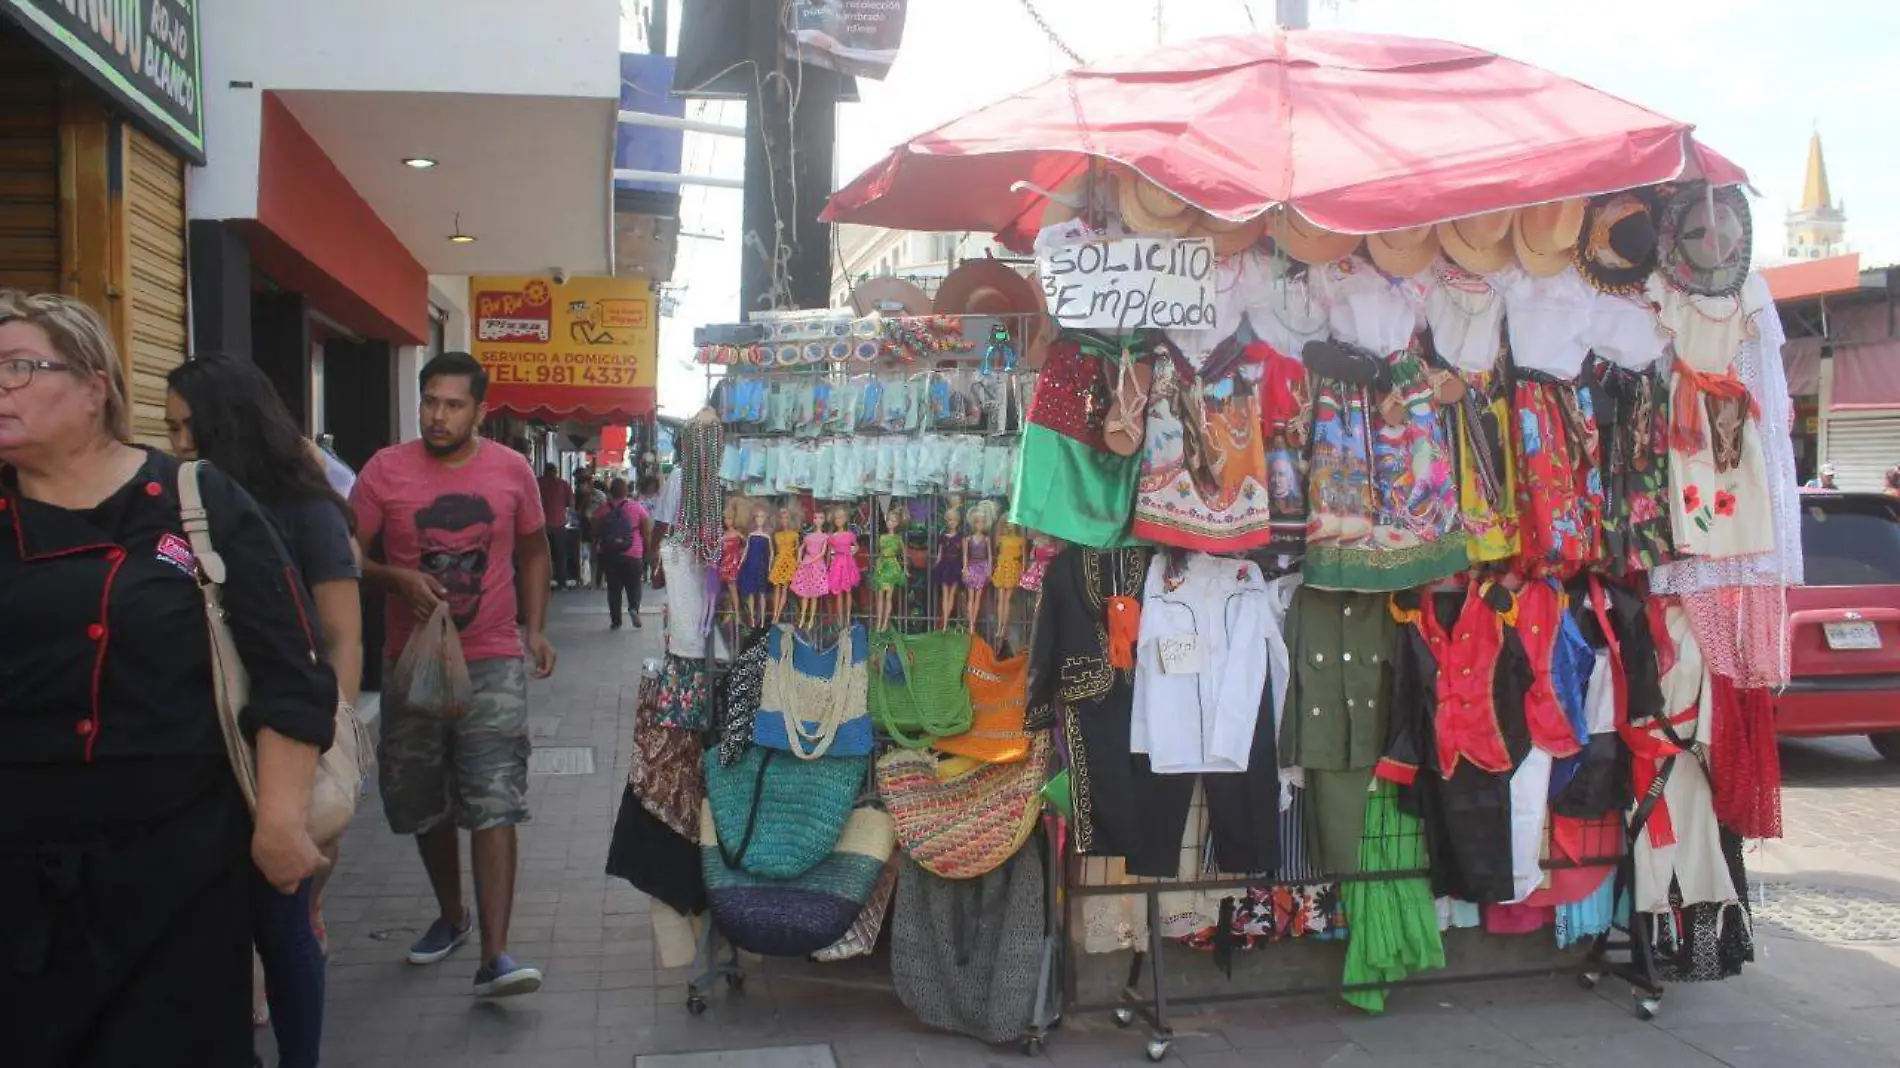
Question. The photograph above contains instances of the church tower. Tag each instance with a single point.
(1818, 228)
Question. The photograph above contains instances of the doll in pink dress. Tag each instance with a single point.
(845, 574)
(812, 581)
(732, 554)
(1043, 549)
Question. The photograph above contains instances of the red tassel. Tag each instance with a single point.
(1124, 630)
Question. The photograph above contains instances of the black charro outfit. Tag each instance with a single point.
(125, 933)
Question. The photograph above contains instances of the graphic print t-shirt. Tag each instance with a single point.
(458, 525)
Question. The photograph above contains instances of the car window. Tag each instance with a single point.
(1850, 541)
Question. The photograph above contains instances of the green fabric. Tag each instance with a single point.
(1057, 792)
(916, 685)
(795, 809)
(1392, 923)
(1336, 817)
(1331, 567)
(1340, 648)
(1067, 490)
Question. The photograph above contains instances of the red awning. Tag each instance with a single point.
(1361, 132)
(554, 404)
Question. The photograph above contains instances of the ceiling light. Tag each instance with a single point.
(420, 163)
(458, 237)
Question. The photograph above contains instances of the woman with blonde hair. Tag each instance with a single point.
(126, 848)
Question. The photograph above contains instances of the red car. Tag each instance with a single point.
(1844, 624)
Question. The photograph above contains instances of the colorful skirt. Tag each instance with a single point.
(1203, 483)
(811, 579)
(1636, 525)
(1559, 488)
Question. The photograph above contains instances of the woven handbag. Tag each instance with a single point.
(813, 703)
(916, 686)
(796, 917)
(960, 818)
(777, 816)
(999, 703)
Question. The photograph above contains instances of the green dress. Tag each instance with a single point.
(1392, 923)
(890, 563)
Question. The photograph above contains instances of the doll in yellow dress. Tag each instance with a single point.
(1008, 574)
(784, 559)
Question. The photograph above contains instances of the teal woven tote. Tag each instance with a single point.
(778, 816)
(797, 917)
(916, 686)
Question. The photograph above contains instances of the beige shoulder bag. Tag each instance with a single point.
(339, 780)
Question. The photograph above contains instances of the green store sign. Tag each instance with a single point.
(143, 53)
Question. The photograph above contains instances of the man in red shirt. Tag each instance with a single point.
(454, 518)
(556, 498)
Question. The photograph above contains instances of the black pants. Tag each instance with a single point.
(564, 550)
(624, 575)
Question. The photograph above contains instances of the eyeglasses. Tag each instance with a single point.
(18, 373)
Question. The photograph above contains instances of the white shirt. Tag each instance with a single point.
(1549, 319)
(1625, 331)
(668, 509)
(1367, 308)
(1195, 710)
(1466, 313)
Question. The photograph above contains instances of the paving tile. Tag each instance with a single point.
(1636, 1046)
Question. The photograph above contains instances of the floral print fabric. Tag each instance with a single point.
(1559, 488)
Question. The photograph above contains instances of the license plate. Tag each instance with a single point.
(1852, 635)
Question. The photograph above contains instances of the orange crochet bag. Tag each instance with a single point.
(999, 702)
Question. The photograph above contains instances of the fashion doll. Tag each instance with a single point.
(891, 578)
(1008, 574)
(811, 583)
(1043, 550)
(948, 572)
(732, 554)
(977, 560)
(784, 558)
(755, 568)
(844, 575)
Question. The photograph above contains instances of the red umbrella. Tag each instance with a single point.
(1361, 132)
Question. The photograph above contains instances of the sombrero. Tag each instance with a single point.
(1307, 243)
(1146, 208)
(988, 287)
(1403, 253)
(1480, 244)
(1617, 248)
(1705, 239)
(885, 294)
(1230, 238)
(1545, 236)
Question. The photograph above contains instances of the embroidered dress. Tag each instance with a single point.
(1636, 514)
(1559, 489)
(1286, 420)
(1067, 482)
(1414, 535)
(1487, 479)
(811, 580)
(1203, 482)
(1718, 475)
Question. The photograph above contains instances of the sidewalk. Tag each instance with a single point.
(1805, 1002)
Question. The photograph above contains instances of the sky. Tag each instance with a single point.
(1756, 77)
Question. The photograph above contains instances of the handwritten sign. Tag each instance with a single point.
(1131, 284)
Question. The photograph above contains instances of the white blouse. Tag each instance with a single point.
(1549, 319)
(1466, 313)
(1366, 308)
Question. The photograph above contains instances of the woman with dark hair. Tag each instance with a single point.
(227, 412)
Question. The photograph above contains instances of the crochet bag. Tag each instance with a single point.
(966, 956)
(960, 818)
(999, 705)
(776, 816)
(916, 686)
(799, 916)
(813, 703)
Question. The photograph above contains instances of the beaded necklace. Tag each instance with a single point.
(701, 522)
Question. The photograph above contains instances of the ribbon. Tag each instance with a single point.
(1685, 429)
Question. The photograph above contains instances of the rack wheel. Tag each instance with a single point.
(735, 980)
(1032, 1046)
(1647, 1008)
(696, 1004)
(1124, 1017)
(1158, 1049)
(1588, 980)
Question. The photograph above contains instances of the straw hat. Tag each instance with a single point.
(884, 293)
(1545, 236)
(1480, 244)
(1307, 243)
(1056, 208)
(1403, 253)
(1149, 209)
(1230, 238)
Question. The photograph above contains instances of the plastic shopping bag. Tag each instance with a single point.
(431, 676)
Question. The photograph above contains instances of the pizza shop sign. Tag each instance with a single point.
(142, 53)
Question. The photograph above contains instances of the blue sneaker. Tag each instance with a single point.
(439, 941)
(503, 978)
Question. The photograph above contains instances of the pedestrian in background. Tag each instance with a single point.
(456, 518)
(227, 412)
(128, 858)
(557, 499)
(596, 500)
(624, 531)
(1893, 481)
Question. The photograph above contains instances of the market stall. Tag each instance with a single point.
(1372, 519)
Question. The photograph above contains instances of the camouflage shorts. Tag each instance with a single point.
(473, 767)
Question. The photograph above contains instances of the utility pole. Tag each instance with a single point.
(1290, 14)
(790, 137)
(656, 28)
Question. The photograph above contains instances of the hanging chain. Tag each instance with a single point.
(1049, 32)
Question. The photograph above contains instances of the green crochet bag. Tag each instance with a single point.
(917, 693)
(777, 816)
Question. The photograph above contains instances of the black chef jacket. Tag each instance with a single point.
(104, 655)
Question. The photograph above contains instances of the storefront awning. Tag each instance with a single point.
(585, 349)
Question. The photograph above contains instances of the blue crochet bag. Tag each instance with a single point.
(799, 916)
(776, 816)
(823, 689)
